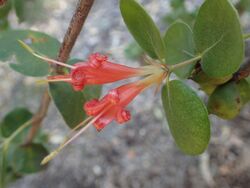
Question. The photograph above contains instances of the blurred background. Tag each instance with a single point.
(142, 152)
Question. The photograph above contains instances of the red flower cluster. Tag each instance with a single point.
(98, 70)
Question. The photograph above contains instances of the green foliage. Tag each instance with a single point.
(5, 9)
(187, 117)
(207, 83)
(244, 88)
(16, 159)
(243, 5)
(179, 47)
(217, 34)
(225, 101)
(14, 120)
(179, 11)
(27, 159)
(217, 43)
(25, 62)
(36, 10)
(143, 28)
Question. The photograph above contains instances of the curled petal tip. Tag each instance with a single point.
(96, 60)
(88, 107)
(123, 116)
(100, 124)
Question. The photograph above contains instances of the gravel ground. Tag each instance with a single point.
(139, 154)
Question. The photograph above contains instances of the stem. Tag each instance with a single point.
(184, 63)
(243, 72)
(168, 90)
(74, 29)
(59, 80)
(246, 36)
(53, 61)
(39, 116)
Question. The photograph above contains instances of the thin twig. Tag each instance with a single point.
(74, 29)
(243, 72)
(39, 116)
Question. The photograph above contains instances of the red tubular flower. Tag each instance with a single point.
(97, 70)
(112, 106)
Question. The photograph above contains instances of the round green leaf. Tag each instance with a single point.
(179, 47)
(70, 103)
(217, 34)
(187, 117)
(143, 28)
(225, 101)
(13, 120)
(25, 62)
(27, 159)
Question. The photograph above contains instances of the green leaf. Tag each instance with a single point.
(36, 10)
(70, 103)
(187, 117)
(209, 84)
(244, 89)
(243, 5)
(4, 24)
(143, 28)
(25, 62)
(13, 120)
(225, 101)
(179, 47)
(217, 34)
(5, 9)
(27, 159)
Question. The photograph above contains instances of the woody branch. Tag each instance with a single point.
(74, 29)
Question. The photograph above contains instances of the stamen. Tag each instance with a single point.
(59, 80)
(80, 125)
(54, 61)
(53, 154)
(89, 107)
(42, 81)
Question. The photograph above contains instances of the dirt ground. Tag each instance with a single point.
(142, 152)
